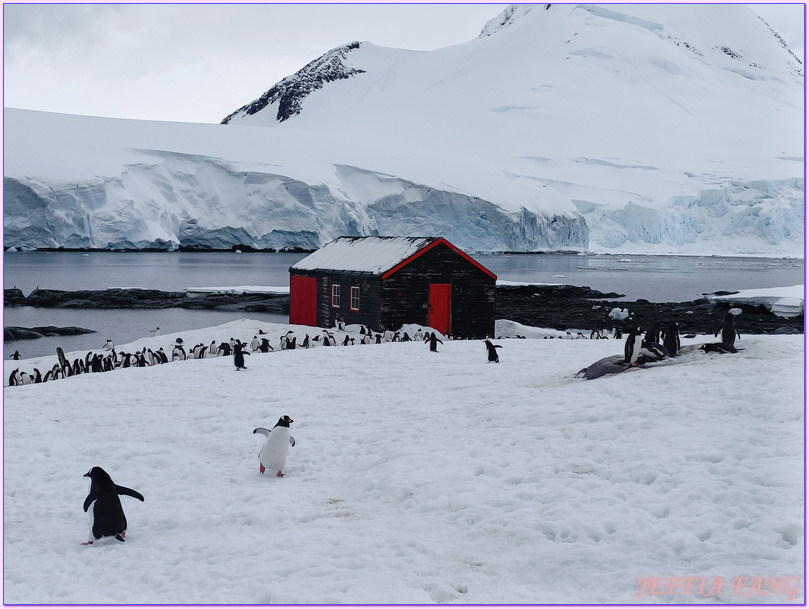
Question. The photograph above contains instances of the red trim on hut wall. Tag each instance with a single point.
(431, 246)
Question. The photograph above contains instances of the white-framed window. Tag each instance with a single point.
(355, 298)
(335, 295)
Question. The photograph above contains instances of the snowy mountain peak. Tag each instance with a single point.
(292, 90)
(510, 15)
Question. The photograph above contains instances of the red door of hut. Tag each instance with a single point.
(303, 300)
(440, 306)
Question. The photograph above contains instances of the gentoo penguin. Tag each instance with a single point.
(273, 454)
(434, 340)
(156, 331)
(108, 515)
(718, 348)
(728, 330)
(346, 341)
(16, 355)
(652, 335)
(418, 335)
(238, 356)
(672, 339)
(109, 346)
(254, 344)
(634, 339)
(653, 351)
(492, 349)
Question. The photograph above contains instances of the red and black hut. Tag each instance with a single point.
(386, 282)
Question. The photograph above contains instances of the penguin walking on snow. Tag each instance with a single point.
(238, 356)
(433, 340)
(493, 357)
(108, 515)
(273, 453)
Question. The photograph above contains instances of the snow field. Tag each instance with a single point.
(417, 477)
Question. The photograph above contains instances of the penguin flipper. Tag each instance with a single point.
(122, 490)
(291, 441)
(90, 498)
(262, 430)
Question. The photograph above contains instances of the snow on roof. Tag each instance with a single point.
(373, 255)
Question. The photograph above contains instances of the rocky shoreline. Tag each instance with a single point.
(558, 307)
(137, 298)
(575, 308)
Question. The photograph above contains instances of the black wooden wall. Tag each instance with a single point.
(406, 293)
(370, 300)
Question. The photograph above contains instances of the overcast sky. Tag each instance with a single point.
(200, 62)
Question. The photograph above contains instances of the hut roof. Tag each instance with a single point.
(371, 255)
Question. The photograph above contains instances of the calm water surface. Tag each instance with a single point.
(655, 278)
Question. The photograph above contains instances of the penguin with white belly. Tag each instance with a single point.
(273, 454)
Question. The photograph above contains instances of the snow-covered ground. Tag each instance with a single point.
(417, 477)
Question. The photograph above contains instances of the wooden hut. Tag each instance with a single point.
(386, 282)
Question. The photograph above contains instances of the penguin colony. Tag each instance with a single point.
(109, 519)
(109, 359)
(655, 345)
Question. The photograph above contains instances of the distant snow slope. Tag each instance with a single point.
(623, 128)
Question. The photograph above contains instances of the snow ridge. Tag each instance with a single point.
(292, 90)
(509, 16)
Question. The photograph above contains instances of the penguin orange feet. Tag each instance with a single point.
(87, 543)
(280, 474)
(260, 468)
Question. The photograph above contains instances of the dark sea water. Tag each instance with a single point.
(655, 278)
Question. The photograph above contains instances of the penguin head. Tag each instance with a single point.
(98, 476)
(284, 421)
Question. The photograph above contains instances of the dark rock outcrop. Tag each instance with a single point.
(580, 308)
(292, 90)
(137, 298)
(11, 333)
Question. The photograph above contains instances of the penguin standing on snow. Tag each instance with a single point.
(493, 357)
(729, 331)
(672, 339)
(108, 515)
(632, 346)
(238, 356)
(273, 454)
(434, 340)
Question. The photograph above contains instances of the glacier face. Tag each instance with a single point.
(620, 128)
(204, 203)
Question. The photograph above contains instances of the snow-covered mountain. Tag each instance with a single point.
(615, 128)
